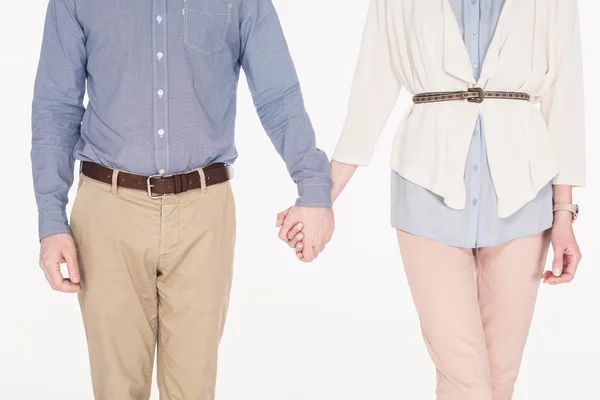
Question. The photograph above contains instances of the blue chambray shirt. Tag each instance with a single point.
(162, 78)
(422, 213)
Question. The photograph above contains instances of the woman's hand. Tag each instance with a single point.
(566, 251)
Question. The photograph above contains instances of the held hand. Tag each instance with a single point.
(314, 233)
(294, 236)
(566, 251)
(55, 250)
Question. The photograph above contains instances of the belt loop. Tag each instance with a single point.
(115, 184)
(177, 184)
(202, 179)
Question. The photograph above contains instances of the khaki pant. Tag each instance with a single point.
(475, 308)
(155, 274)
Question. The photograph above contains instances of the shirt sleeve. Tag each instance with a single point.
(57, 113)
(563, 105)
(374, 92)
(274, 85)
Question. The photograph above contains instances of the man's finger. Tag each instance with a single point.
(316, 252)
(70, 256)
(308, 254)
(49, 279)
(322, 247)
(61, 284)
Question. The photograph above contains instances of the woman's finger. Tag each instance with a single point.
(285, 228)
(558, 262)
(566, 276)
(572, 262)
(296, 240)
(292, 233)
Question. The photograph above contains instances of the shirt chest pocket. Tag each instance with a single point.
(205, 24)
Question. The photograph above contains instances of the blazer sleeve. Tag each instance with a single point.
(374, 92)
(563, 104)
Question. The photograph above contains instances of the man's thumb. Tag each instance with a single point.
(72, 265)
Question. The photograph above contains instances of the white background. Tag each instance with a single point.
(343, 328)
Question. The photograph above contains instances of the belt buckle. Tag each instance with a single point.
(149, 186)
(480, 95)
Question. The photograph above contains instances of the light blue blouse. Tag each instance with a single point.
(418, 211)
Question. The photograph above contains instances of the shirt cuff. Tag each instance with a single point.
(53, 221)
(314, 193)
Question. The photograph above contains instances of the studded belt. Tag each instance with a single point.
(473, 95)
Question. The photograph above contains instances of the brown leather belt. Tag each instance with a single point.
(473, 95)
(158, 186)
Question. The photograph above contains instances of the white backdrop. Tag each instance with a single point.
(343, 328)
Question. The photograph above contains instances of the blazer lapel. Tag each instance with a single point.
(456, 58)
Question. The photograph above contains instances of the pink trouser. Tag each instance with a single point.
(475, 308)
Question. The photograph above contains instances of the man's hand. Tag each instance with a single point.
(566, 250)
(306, 229)
(55, 250)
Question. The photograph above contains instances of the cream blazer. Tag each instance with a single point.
(417, 44)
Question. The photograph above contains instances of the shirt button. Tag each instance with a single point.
(159, 19)
(475, 167)
(474, 2)
(161, 132)
(475, 31)
(475, 65)
(160, 93)
(475, 202)
(476, 133)
(162, 171)
(159, 55)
